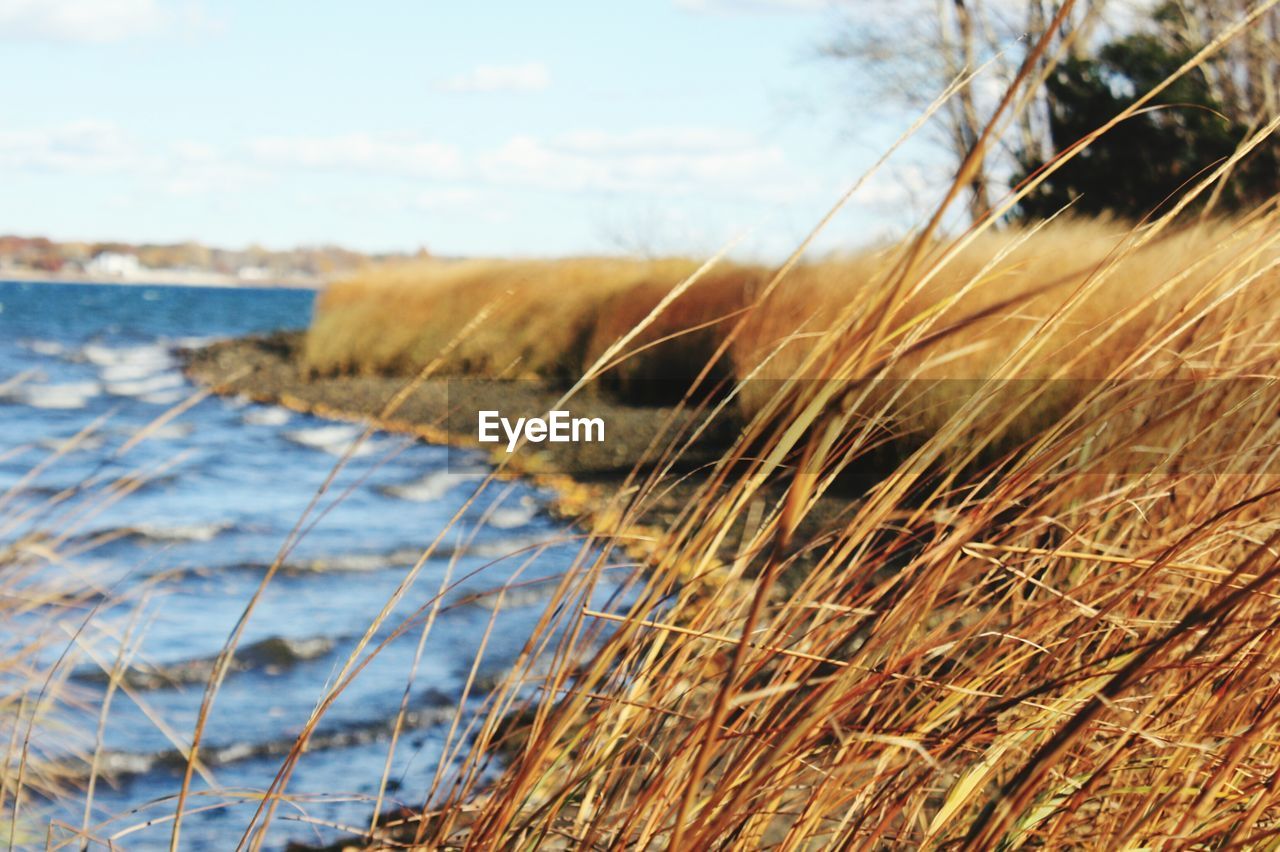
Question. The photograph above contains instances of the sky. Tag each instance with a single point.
(499, 128)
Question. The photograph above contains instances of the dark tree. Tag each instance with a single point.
(1141, 164)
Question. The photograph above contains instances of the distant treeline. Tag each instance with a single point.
(1098, 58)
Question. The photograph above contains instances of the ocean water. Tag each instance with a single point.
(224, 483)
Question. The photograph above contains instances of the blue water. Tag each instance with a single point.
(226, 481)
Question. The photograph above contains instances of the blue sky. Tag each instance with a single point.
(486, 128)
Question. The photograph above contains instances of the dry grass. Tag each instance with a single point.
(552, 319)
(1055, 647)
(1069, 642)
(1042, 645)
(37, 617)
(1048, 654)
(541, 315)
(48, 609)
(1068, 302)
(1018, 279)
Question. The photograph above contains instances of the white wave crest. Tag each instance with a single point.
(155, 355)
(63, 395)
(267, 416)
(150, 385)
(126, 372)
(331, 439)
(181, 532)
(49, 348)
(431, 487)
(163, 397)
(510, 517)
(69, 444)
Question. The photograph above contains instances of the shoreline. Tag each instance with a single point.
(266, 370)
(585, 481)
(585, 491)
(163, 278)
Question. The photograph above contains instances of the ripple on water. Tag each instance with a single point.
(430, 487)
(156, 355)
(505, 517)
(201, 533)
(269, 655)
(48, 348)
(335, 440)
(126, 372)
(160, 533)
(428, 709)
(56, 395)
(150, 385)
(271, 415)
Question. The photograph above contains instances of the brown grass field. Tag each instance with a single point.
(1068, 302)
(553, 319)
(1049, 646)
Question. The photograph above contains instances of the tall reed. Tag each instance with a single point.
(1060, 636)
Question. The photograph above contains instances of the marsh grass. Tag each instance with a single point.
(54, 613)
(1007, 642)
(544, 313)
(1030, 649)
(956, 322)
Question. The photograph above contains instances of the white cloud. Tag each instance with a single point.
(754, 6)
(100, 148)
(361, 152)
(642, 165)
(652, 162)
(78, 147)
(655, 139)
(192, 151)
(446, 198)
(197, 172)
(92, 21)
(658, 162)
(529, 77)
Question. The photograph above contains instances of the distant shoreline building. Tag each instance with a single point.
(113, 264)
(115, 261)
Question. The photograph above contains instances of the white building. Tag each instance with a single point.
(253, 273)
(112, 264)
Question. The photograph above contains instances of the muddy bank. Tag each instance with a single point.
(584, 476)
(444, 411)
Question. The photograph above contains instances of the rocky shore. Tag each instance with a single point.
(583, 477)
(444, 411)
(268, 369)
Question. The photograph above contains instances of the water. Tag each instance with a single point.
(226, 481)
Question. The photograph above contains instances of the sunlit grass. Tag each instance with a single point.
(1003, 642)
(999, 645)
(49, 612)
(1036, 645)
(1075, 287)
